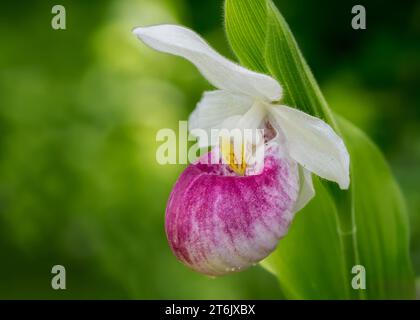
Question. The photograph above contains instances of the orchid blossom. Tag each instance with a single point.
(217, 220)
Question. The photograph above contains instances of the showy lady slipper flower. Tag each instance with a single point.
(222, 218)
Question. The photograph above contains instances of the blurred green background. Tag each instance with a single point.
(79, 112)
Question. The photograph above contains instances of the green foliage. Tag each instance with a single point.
(381, 237)
(79, 110)
(254, 16)
(366, 225)
(79, 183)
(309, 259)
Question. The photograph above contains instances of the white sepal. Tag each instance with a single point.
(219, 71)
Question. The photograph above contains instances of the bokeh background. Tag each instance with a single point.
(79, 112)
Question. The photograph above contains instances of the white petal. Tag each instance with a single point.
(214, 108)
(307, 190)
(244, 128)
(253, 117)
(313, 144)
(218, 70)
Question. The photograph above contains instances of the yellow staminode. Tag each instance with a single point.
(238, 165)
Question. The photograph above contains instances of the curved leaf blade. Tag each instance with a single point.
(381, 220)
(253, 16)
(308, 261)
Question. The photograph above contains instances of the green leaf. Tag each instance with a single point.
(250, 25)
(286, 63)
(366, 225)
(308, 261)
(381, 219)
(248, 43)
